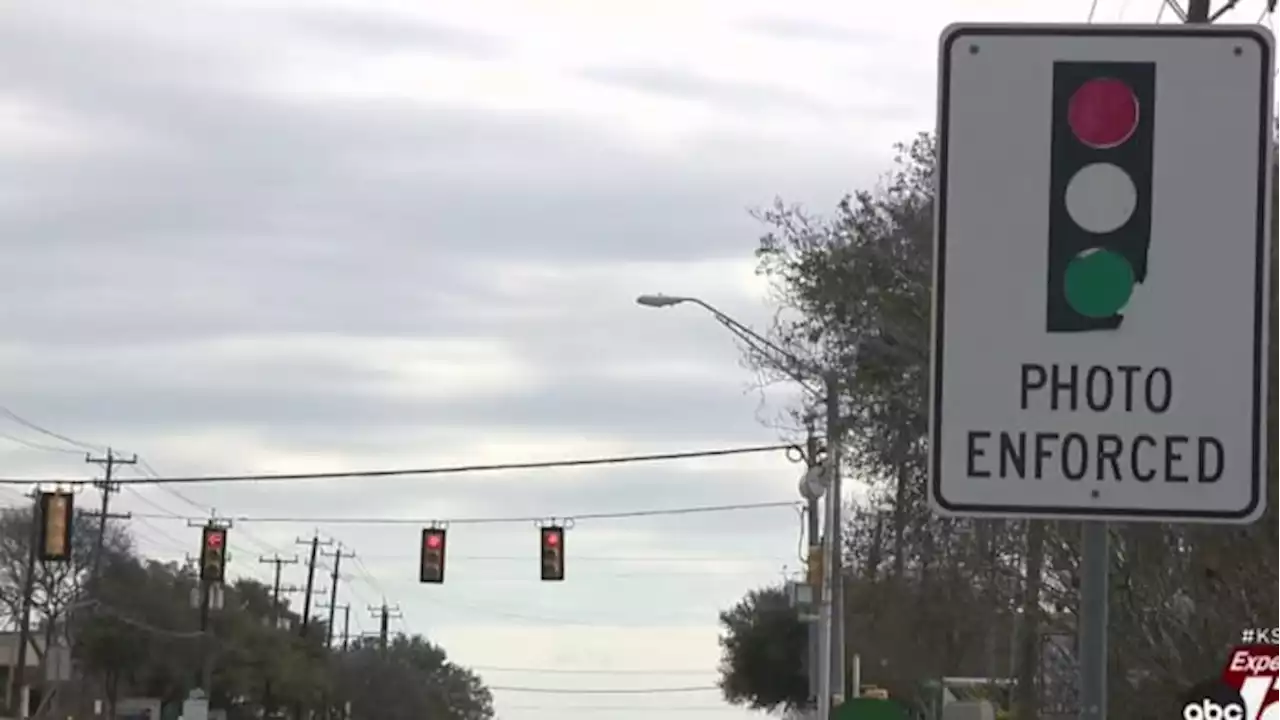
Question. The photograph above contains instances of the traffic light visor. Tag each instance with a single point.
(1103, 113)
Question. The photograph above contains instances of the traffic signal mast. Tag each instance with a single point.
(1100, 191)
(552, 542)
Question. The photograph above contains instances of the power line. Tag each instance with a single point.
(39, 446)
(438, 470)
(136, 463)
(492, 520)
(587, 671)
(738, 559)
(47, 432)
(600, 691)
(625, 708)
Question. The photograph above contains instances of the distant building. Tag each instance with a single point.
(40, 671)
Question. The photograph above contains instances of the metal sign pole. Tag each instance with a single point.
(1095, 567)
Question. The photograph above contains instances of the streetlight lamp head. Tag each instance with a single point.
(659, 300)
(814, 482)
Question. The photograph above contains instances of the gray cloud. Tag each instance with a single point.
(216, 274)
(393, 32)
(792, 28)
(687, 85)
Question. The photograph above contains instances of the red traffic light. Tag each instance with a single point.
(552, 552)
(213, 555)
(1103, 113)
(431, 563)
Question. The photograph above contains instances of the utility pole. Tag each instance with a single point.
(333, 612)
(268, 700)
(346, 628)
(346, 620)
(279, 562)
(813, 531)
(310, 590)
(384, 614)
(333, 708)
(315, 544)
(833, 547)
(107, 485)
(1198, 12)
(337, 556)
(17, 679)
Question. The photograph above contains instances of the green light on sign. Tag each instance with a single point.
(1098, 283)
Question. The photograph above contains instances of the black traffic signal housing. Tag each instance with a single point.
(57, 510)
(1102, 121)
(551, 540)
(431, 567)
(213, 555)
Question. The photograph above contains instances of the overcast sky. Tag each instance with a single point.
(312, 235)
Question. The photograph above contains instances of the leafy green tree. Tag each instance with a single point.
(412, 679)
(930, 596)
(141, 636)
(764, 653)
(57, 585)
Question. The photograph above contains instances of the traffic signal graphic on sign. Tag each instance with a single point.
(433, 551)
(213, 555)
(1100, 185)
(552, 541)
(56, 513)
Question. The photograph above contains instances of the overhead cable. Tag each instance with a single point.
(606, 691)
(401, 472)
(492, 520)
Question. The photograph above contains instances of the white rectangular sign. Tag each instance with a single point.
(1101, 299)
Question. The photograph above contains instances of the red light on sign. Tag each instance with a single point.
(213, 540)
(434, 541)
(1103, 113)
(552, 539)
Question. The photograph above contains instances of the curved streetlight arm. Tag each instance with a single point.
(793, 365)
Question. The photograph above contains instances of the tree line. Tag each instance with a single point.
(927, 596)
(132, 631)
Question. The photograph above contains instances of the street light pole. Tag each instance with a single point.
(831, 622)
(834, 554)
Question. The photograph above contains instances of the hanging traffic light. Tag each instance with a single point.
(433, 552)
(552, 552)
(56, 513)
(1100, 184)
(213, 555)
